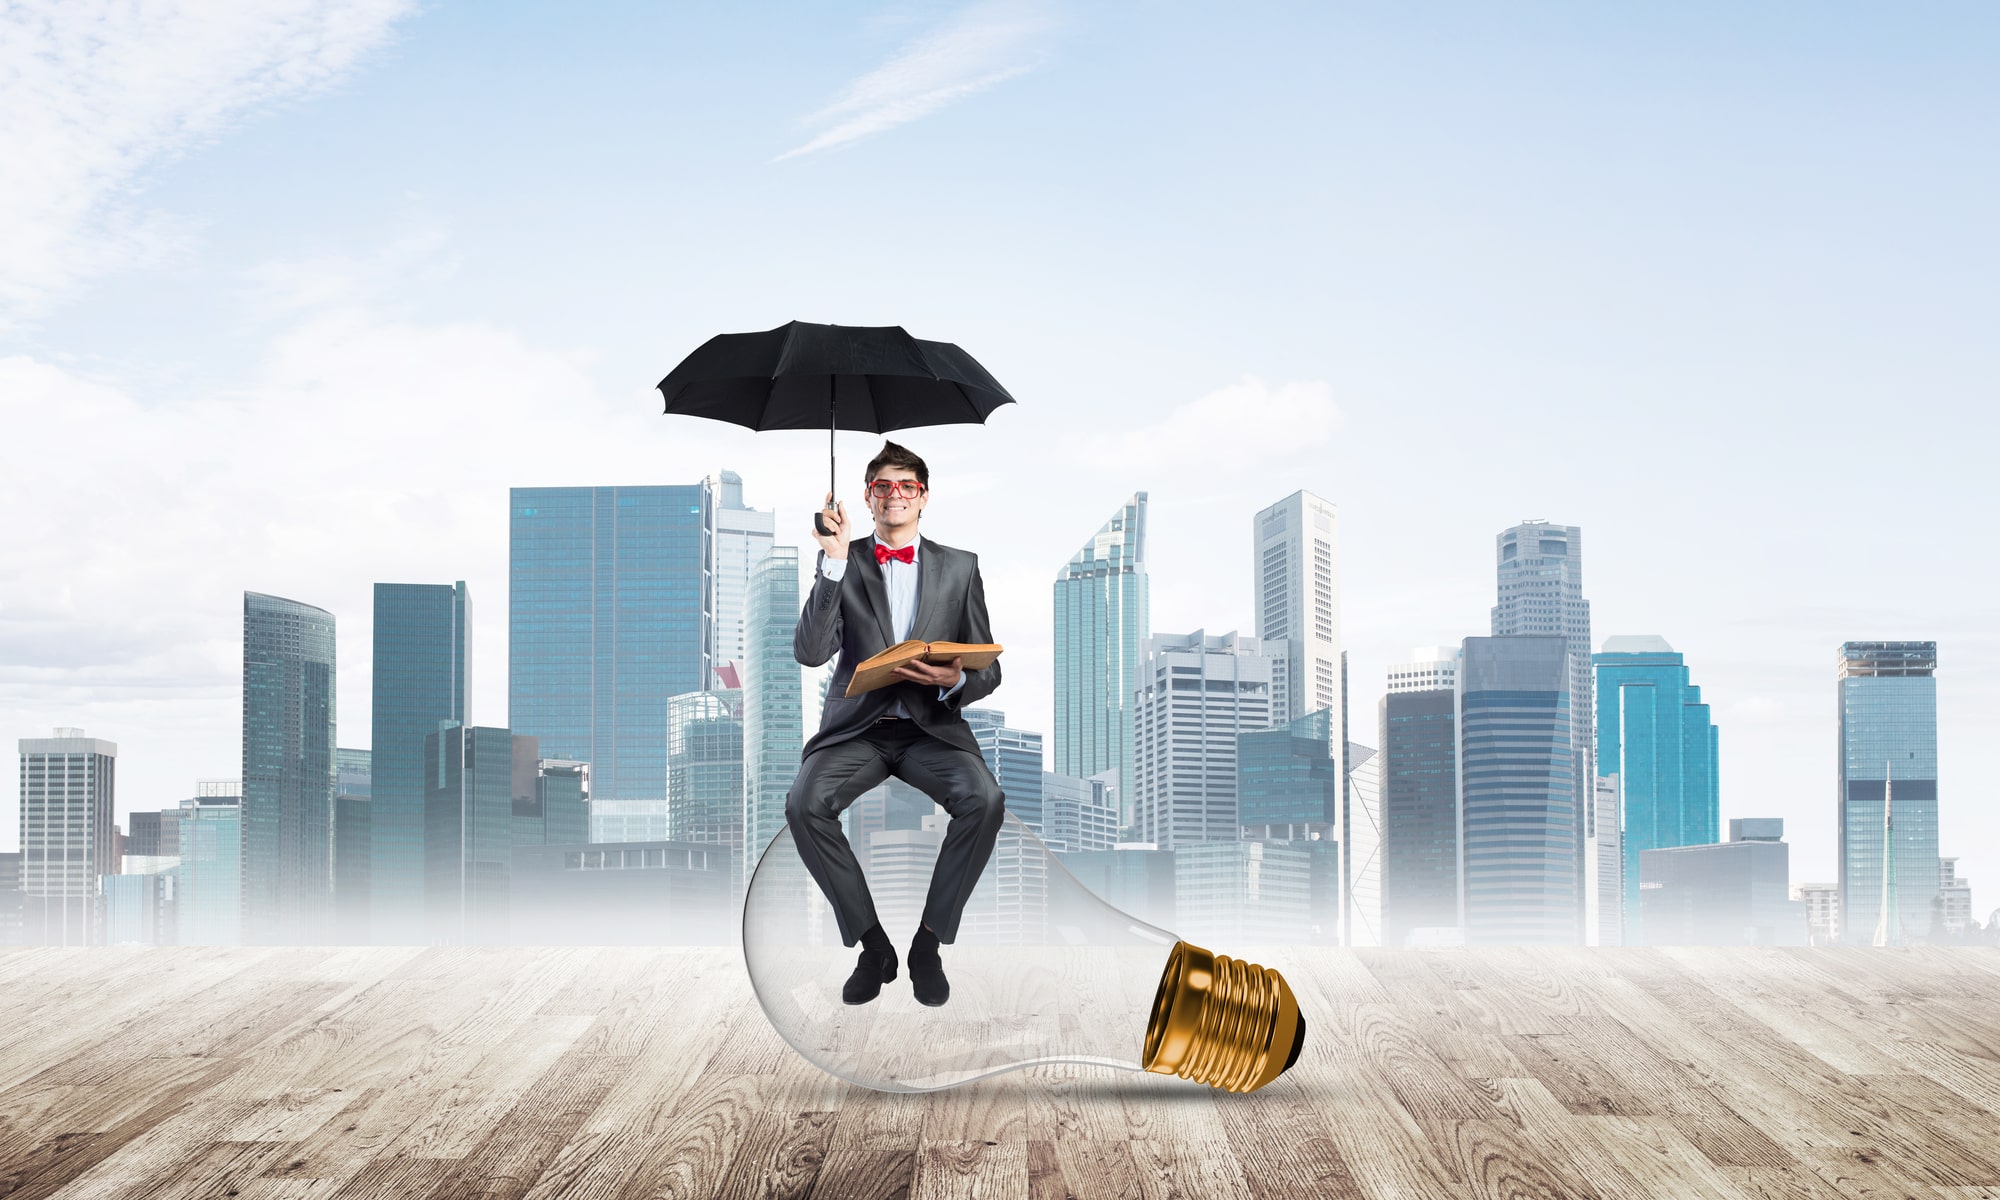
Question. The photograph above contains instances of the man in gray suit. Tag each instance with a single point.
(868, 595)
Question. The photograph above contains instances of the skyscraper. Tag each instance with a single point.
(1888, 738)
(1015, 758)
(1288, 780)
(1656, 739)
(705, 771)
(423, 674)
(1540, 592)
(68, 796)
(353, 845)
(1295, 582)
(1420, 827)
(468, 834)
(743, 536)
(1197, 693)
(610, 611)
(773, 700)
(288, 777)
(1079, 815)
(1518, 799)
(1430, 669)
(1102, 619)
(1288, 791)
(209, 908)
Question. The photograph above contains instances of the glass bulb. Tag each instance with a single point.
(1043, 971)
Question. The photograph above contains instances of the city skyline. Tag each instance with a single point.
(1648, 273)
(734, 481)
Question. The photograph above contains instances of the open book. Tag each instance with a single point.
(878, 672)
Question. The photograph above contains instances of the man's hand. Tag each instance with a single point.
(942, 675)
(835, 543)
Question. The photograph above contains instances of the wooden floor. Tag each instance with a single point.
(1650, 1074)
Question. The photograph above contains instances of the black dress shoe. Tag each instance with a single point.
(873, 969)
(927, 976)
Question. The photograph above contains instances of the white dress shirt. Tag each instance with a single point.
(900, 578)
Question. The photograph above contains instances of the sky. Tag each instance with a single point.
(291, 294)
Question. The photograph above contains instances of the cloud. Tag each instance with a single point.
(97, 91)
(982, 46)
(1249, 421)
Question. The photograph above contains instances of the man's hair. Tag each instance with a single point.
(892, 455)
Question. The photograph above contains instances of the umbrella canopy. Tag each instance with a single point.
(869, 379)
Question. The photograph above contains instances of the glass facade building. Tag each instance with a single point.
(468, 834)
(1420, 832)
(1656, 738)
(705, 770)
(743, 536)
(1102, 620)
(610, 611)
(1539, 593)
(209, 907)
(773, 700)
(1287, 779)
(288, 773)
(423, 674)
(1015, 758)
(353, 845)
(1888, 758)
(1517, 792)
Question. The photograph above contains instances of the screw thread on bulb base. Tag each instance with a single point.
(1221, 1021)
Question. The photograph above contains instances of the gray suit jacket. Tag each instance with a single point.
(851, 618)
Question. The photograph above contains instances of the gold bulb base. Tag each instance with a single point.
(1220, 1021)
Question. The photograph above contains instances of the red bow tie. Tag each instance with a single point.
(906, 554)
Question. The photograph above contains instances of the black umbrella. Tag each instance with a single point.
(869, 379)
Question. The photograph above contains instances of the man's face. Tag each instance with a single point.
(898, 510)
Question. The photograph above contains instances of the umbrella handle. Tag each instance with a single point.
(832, 474)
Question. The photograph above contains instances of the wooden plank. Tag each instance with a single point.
(520, 1145)
(970, 1170)
(853, 1173)
(780, 1158)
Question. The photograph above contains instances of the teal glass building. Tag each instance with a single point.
(1102, 620)
(1657, 738)
(1888, 754)
(610, 611)
(209, 903)
(288, 775)
(423, 672)
(1288, 783)
(773, 699)
(1518, 792)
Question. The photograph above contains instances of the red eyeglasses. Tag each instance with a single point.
(882, 489)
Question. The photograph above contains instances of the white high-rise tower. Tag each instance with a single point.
(1295, 582)
(1540, 593)
(743, 536)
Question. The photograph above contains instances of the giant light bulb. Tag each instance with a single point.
(1043, 971)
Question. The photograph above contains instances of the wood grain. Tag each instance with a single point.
(588, 1073)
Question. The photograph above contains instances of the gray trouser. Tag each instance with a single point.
(832, 777)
